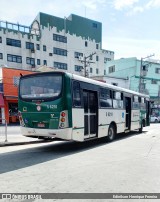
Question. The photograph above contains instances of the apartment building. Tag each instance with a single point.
(143, 75)
(72, 44)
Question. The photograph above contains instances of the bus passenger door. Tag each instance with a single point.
(147, 113)
(90, 101)
(128, 113)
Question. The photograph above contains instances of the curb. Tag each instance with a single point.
(4, 144)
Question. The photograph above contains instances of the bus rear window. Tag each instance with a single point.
(41, 87)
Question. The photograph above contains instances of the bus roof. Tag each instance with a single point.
(91, 81)
(102, 84)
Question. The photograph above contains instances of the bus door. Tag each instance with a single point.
(128, 113)
(90, 101)
(147, 112)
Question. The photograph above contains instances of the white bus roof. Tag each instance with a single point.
(88, 80)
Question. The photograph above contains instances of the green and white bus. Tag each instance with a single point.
(71, 107)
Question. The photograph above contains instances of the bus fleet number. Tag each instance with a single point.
(51, 106)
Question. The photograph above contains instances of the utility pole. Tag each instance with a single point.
(142, 65)
(86, 62)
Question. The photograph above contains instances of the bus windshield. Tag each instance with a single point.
(40, 87)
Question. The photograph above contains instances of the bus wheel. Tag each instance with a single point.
(141, 128)
(156, 121)
(111, 133)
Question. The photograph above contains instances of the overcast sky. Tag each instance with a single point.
(130, 28)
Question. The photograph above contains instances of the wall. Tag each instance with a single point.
(10, 87)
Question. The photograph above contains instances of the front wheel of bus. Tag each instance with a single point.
(111, 133)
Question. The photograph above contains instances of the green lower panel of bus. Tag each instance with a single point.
(41, 121)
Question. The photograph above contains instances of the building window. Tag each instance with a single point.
(1, 55)
(30, 61)
(60, 65)
(153, 81)
(16, 81)
(59, 51)
(104, 72)
(44, 62)
(59, 38)
(44, 48)
(78, 55)
(106, 59)
(14, 58)
(29, 45)
(38, 62)
(0, 39)
(94, 25)
(91, 70)
(112, 69)
(97, 71)
(97, 46)
(13, 42)
(97, 58)
(78, 68)
(144, 67)
(86, 43)
(143, 86)
(38, 46)
(157, 70)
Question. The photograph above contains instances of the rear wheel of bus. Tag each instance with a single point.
(111, 133)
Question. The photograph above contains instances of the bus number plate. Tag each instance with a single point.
(41, 125)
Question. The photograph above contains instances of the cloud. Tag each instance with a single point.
(120, 4)
(153, 3)
(139, 9)
(129, 47)
(25, 12)
(135, 10)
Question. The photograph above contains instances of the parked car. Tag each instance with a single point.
(155, 119)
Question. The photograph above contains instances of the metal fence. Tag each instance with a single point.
(3, 130)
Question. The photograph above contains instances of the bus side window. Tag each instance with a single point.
(136, 101)
(105, 98)
(117, 100)
(143, 103)
(76, 94)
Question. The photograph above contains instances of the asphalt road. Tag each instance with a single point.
(130, 164)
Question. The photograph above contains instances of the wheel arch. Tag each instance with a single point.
(113, 124)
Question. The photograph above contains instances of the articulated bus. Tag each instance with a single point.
(71, 107)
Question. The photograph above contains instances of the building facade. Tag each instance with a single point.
(9, 93)
(143, 75)
(116, 81)
(73, 44)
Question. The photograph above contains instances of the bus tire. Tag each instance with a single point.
(111, 133)
(141, 128)
(156, 121)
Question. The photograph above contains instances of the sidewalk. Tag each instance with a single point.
(14, 137)
(13, 140)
